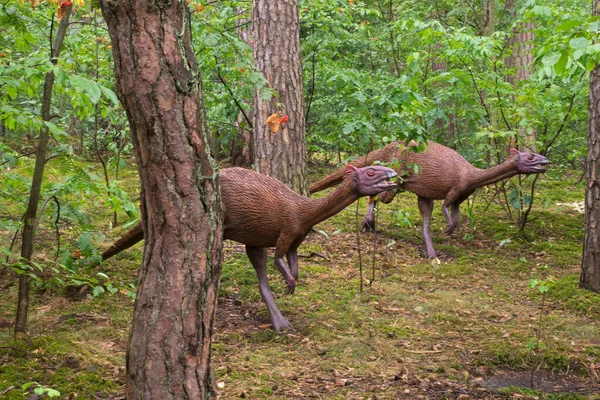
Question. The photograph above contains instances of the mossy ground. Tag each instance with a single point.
(453, 329)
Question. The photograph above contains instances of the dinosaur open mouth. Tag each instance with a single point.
(542, 166)
(391, 182)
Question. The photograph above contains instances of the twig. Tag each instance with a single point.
(314, 254)
(12, 243)
(8, 389)
(423, 351)
(360, 266)
(13, 348)
(232, 95)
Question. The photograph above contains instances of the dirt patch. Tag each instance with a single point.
(545, 381)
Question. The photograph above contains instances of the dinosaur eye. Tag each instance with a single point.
(370, 172)
(530, 157)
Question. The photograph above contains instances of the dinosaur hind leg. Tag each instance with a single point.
(258, 258)
(426, 207)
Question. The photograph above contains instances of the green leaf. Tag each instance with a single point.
(533, 283)
(109, 94)
(559, 67)
(551, 58)
(103, 275)
(59, 75)
(28, 384)
(98, 290)
(568, 25)
(579, 43)
(322, 232)
(52, 392)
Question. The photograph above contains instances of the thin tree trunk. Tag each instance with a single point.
(590, 264)
(489, 17)
(242, 153)
(160, 88)
(30, 217)
(521, 59)
(276, 48)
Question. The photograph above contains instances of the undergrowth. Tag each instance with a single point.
(419, 328)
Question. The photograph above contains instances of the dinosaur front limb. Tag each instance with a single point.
(290, 282)
(368, 222)
(292, 259)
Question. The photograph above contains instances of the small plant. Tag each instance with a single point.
(472, 218)
(41, 391)
(402, 219)
(535, 343)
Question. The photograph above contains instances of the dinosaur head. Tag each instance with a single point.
(372, 180)
(529, 163)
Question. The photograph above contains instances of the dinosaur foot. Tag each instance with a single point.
(280, 324)
(367, 226)
(291, 286)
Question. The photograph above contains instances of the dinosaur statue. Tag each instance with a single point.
(262, 212)
(443, 174)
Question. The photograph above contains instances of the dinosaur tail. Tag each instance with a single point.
(130, 238)
(338, 176)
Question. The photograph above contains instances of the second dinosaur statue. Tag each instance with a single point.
(443, 174)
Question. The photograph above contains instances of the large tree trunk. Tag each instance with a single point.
(161, 90)
(30, 217)
(276, 48)
(590, 265)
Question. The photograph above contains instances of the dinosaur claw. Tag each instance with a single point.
(291, 286)
(367, 226)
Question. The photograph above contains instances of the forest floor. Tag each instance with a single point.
(464, 326)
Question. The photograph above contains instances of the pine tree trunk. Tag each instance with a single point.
(30, 217)
(276, 29)
(590, 265)
(160, 88)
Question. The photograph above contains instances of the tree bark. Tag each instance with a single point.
(489, 18)
(521, 59)
(30, 217)
(590, 264)
(160, 88)
(276, 48)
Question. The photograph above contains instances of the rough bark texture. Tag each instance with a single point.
(276, 48)
(30, 217)
(160, 88)
(590, 265)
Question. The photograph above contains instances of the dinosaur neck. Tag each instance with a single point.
(483, 177)
(317, 210)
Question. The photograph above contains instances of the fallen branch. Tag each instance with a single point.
(314, 254)
(8, 389)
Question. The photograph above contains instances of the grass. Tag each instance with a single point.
(443, 329)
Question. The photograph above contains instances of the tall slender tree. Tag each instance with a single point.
(276, 35)
(30, 217)
(521, 60)
(160, 88)
(590, 264)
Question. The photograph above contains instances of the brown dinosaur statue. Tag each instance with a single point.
(442, 174)
(262, 212)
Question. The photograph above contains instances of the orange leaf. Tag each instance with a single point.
(273, 122)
